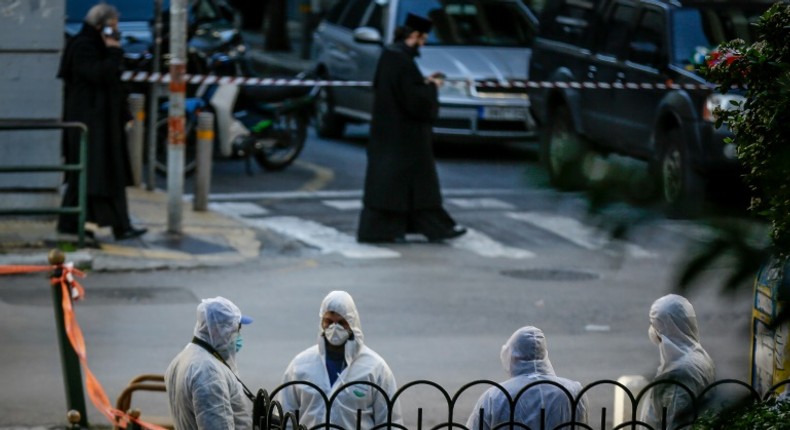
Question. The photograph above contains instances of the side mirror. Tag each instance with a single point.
(367, 35)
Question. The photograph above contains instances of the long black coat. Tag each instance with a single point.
(401, 171)
(94, 96)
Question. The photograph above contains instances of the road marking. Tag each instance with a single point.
(322, 177)
(575, 232)
(344, 205)
(326, 239)
(238, 209)
(481, 244)
(482, 203)
(346, 194)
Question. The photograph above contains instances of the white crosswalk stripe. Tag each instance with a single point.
(344, 205)
(575, 232)
(482, 203)
(238, 209)
(481, 244)
(326, 239)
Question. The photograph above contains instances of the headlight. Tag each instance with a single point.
(454, 88)
(720, 101)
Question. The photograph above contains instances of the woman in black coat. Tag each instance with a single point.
(402, 192)
(91, 68)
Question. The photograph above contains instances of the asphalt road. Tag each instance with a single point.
(438, 312)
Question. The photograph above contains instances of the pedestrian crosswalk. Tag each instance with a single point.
(496, 227)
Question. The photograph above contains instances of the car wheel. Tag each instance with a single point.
(328, 124)
(563, 151)
(682, 189)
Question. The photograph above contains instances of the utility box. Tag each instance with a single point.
(31, 41)
(770, 350)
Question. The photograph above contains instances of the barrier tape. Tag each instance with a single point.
(72, 290)
(164, 78)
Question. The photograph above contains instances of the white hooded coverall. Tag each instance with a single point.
(204, 393)
(362, 364)
(525, 358)
(682, 359)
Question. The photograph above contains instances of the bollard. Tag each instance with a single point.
(137, 107)
(623, 409)
(150, 176)
(205, 147)
(72, 375)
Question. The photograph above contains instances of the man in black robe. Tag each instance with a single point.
(91, 69)
(402, 192)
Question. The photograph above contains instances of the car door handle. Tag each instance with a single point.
(591, 72)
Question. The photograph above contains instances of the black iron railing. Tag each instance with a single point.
(269, 414)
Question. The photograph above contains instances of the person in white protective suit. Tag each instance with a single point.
(202, 383)
(673, 327)
(340, 357)
(525, 358)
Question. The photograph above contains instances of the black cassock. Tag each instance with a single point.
(402, 192)
(94, 96)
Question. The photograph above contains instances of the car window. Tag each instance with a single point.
(472, 22)
(647, 43)
(697, 30)
(354, 13)
(334, 13)
(615, 29)
(375, 18)
(569, 21)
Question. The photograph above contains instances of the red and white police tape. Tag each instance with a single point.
(164, 78)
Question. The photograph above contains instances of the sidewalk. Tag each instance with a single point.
(208, 239)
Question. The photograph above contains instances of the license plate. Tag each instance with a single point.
(507, 113)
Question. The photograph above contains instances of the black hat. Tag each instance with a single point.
(418, 23)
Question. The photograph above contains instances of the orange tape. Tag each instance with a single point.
(70, 288)
(205, 135)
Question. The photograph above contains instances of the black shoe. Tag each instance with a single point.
(454, 232)
(130, 233)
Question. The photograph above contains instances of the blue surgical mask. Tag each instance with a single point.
(239, 342)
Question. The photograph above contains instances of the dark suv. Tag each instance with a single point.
(620, 76)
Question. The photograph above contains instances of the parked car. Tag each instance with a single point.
(649, 43)
(472, 40)
(212, 29)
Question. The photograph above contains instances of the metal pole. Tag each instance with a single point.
(153, 97)
(137, 106)
(82, 182)
(176, 122)
(205, 146)
(72, 375)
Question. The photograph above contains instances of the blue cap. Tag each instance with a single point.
(245, 319)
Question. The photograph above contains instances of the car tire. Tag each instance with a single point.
(682, 189)
(563, 151)
(328, 124)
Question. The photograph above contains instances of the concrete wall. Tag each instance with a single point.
(31, 40)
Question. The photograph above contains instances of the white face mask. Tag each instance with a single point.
(653, 335)
(336, 334)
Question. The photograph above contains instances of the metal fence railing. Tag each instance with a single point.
(269, 414)
(80, 168)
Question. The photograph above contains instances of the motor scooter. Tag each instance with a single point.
(265, 123)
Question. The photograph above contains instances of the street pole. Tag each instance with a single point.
(153, 97)
(176, 138)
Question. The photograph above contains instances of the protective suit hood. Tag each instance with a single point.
(526, 353)
(341, 303)
(218, 321)
(675, 322)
